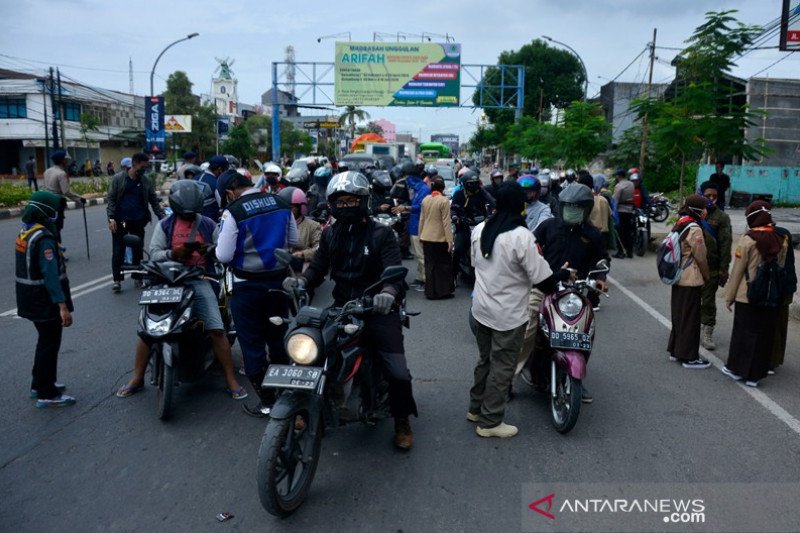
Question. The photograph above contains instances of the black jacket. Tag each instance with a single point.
(582, 246)
(117, 188)
(466, 207)
(355, 256)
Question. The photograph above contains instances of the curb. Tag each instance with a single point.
(13, 212)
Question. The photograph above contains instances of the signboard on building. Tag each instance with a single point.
(154, 132)
(447, 139)
(790, 26)
(178, 123)
(397, 74)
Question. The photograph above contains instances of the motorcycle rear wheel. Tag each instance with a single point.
(566, 405)
(661, 213)
(284, 450)
(641, 243)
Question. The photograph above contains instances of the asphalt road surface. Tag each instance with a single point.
(110, 465)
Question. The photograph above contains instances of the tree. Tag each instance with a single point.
(179, 100)
(585, 133)
(373, 127)
(239, 144)
(350, 116)
(89, 123)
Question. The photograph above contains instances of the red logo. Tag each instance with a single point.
(535, 506)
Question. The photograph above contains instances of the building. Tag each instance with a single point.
(224, 90)
(448, 139)
(286, 100)
(779, 125)
(26, 107)
(389, 130)
(615, 100)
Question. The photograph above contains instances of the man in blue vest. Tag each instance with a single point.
(216, 166)
(43, 295)
(253, 225)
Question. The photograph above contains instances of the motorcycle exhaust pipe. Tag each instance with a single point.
(553, 379)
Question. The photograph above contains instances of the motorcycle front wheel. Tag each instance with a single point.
(565, 406)
(641, 243)
(661, 213)
(287, 461)
(165, 381)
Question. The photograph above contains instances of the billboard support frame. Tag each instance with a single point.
(511, 92)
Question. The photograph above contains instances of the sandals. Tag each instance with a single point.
(237, 394)
(129, 390)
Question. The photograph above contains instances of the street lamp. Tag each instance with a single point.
(585, 74)
(152, 72)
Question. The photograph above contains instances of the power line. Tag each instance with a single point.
(73, 66)
(772, 64)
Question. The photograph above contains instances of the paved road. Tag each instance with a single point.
(110, 465)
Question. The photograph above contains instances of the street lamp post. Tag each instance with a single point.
(152, 72)
(585, 74)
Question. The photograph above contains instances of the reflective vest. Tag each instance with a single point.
(263, 220)
(33, 300)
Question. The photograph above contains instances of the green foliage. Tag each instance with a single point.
(239, 144)
(293, 140)
(534, 140)
(12, 195)
(371, 127)
(585, 133)
(350, 116)
(90, 186)
(484, 137)
(179, 100)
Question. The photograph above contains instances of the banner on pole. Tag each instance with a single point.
(790, 26)
(397, 74)
(178, 123)
(154, 132)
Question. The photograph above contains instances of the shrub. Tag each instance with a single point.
(12, 195)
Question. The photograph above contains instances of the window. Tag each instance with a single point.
(72, 112)
(13, 108)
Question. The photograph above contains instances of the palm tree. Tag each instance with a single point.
(350, 116)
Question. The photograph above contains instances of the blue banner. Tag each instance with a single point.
(154, 131)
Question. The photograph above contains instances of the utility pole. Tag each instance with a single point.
(46, 133)
(61, 111)
(54, 108)
(643, 149)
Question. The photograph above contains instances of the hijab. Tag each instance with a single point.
(42, 208)
(510, 204)
(692, 211)
(769, 243)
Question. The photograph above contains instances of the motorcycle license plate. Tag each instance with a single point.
(292, 377)
(163, 295)
(570, 340)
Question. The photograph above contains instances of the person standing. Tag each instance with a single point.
(782, 325)
(623, 196)
(718, 238)
(418, 190)
(723, 183)
(189, 159)
(30, 172)
(507, 264)
(110, 168)
(754, 323)
(43, 295)
(127, 208)
(684, 339)
(436, 236)
(513, 173)
(216, 166)
(57, 182)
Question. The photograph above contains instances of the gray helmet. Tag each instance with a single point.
(186, 198)
(349, 182)
(575, 194)
(544, 179)
(192, 170)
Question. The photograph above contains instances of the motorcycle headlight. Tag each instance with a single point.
(570, 305)
(158, 328)
(302, 349)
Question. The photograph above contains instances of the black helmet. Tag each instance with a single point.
(419, 168)
(349, 183)
(575, 195)
(381, 182)
(186, 198)
(297, 176)
(228, 180)
(431, 170)
(407, 169)
(397, 172)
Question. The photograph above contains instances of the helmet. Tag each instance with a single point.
(381, 181)
(407, 168)
(297, 176)
(544, 182)
(272, 168)
(635, 176)
(431, 170)
(574, 196)
(244, 172)
(126, 162)
(534, 170)
(186, 198)
(463, 171)
(322, 176)
(397, 172)
(545, 171)
(496, 173)
(570, 175)
(529, 183)
(633, 170)
(230, 179)
(419, 167)
(349, 183)
(468, 176)
(191, 171)
(295, 196)
(344, 166)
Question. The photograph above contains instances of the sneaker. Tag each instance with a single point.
(419, 287)
(116, 287)
(403, 436)
(586, 396)
(770, 372)
(753, 384)
(257, 410)
(472, 417)
(697, 364)
(59, 401)
(502, 431)
(673, 359)
(60, 387)
(596, 308)
(735, 377)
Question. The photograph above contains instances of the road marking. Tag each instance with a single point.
(768, 403)
(76, 292)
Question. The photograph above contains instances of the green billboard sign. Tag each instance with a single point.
(397, 74)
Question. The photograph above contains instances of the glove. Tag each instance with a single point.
(291, 283)
(181, 253)
(382, 303)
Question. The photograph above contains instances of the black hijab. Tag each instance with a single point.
(510, 204)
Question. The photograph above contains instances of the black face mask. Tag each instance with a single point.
(472, 187)
(348, 215)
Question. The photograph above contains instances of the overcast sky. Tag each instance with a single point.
(81, 35)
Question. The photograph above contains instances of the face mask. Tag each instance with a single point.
(140, 172)
(348, 215)
(573, 215)
(472, 187)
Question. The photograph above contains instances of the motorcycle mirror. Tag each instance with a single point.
(393, 274)
(276, 320)
(283, 256)
(602, 265)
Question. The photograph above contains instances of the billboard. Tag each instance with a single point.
(178, 123)
(448, 139)
(154, 133)
(790, 26)
(397, 74)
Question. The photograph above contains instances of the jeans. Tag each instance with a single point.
(32, 181)
(45, 362)
(252, 303)
(125, 227)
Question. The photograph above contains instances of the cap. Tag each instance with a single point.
(620, 172)
(59, 155)
(126, 162)
(189, 155)
(218, 161)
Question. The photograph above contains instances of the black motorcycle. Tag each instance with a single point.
(464, 266)
(642, 239)
(659, 207)
(332, 380)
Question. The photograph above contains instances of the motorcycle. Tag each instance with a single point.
(642, 238)
(659, 207)
(331, 381)
(465, 267)
(564, 344)
(180, 348)
(388, 220)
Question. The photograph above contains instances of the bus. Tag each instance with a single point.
(432, 151)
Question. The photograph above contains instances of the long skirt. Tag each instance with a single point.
(751, 340)
(438, 270)
(781, 329)
(684, 339)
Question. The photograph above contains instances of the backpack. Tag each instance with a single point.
(668, 257)
(769, 286)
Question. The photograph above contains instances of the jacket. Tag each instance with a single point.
(161, 241)
(210, 205)
(41, 275)
(582, 246)
(420, 192)
(117, 188)
(434, 224)
(719, 239)
(466, 207)
(693, 245)
(536, 213)
(309, 233)
(747, 258)
(600, 217)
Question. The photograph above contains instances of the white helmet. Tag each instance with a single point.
(272, 168)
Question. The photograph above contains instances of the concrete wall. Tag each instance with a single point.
(780, 127)
(783, 183)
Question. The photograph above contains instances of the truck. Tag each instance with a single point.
(394, 150)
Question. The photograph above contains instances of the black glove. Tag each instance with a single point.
(382, 303)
